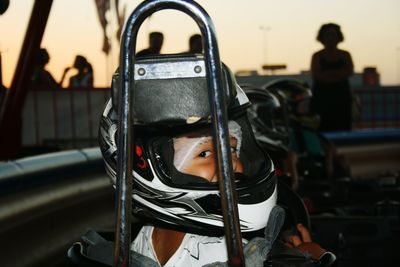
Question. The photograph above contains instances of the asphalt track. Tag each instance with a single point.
(47, 202)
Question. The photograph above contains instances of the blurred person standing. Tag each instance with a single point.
(331, 68)
(156, 40)
(41, 76)
(195, 44)
(84, 77)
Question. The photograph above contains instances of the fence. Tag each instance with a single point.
(379, 107)
(66, 118)
(69, 118)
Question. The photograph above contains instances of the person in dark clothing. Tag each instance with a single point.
(41, 76)
(84, 77)
(156, 40)
(331, 68)
(195, 44)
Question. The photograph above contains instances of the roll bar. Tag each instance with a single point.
(219, 125)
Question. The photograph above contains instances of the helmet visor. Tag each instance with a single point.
(189, 160)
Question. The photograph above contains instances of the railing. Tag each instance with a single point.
(379, 107)
(65, 118)
(68, 118)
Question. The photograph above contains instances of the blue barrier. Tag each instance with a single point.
(364, 136)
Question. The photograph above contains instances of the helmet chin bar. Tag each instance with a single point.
(219, 122)
(197, 208)
(251, 213)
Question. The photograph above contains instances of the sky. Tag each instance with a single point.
(250, 33)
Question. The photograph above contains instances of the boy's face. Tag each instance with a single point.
(197, 156)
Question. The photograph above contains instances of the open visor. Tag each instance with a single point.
(189, 160)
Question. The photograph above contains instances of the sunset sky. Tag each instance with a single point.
(371, 29)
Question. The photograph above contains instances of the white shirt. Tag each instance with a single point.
(195, 250)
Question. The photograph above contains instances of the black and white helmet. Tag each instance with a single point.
(171, 101)
(269, 119)
(297, 94)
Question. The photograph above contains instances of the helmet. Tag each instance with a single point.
(172, 120)
(268, 118)
(297, 93)
(298, 96)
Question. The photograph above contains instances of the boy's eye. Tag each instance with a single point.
(205, 153)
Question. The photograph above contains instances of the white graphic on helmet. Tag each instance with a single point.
(185, 147)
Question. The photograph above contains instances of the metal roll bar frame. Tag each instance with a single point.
(219, 125)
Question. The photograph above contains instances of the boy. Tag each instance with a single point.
(175, 192)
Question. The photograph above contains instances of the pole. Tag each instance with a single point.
(11, 109)
(219, 122)
(264, 30)
(398, 64)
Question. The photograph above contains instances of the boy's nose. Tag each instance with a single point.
(237, 166)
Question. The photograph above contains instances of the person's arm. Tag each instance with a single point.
(316, 72)
(330, 76)
(48, 80)
(63, 76)
(304, 243)
(90, 74)
(348, 69)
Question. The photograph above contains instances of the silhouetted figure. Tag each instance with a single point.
(156, 40)
(195, 44)
(331, 68)
(84, 77)
(4, 4)
(42, 77)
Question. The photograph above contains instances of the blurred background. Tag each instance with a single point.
(53, 186)
(250, 34)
